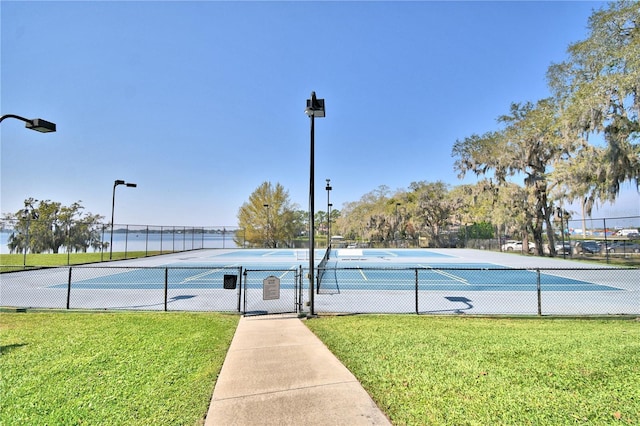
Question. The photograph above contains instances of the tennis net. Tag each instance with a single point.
(322, 267)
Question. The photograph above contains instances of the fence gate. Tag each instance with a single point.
(272, 291)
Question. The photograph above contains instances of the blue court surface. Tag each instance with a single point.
(359, 269)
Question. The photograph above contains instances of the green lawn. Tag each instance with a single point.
(120, 368)
(141, 368)
(430, 370)
(11, 262)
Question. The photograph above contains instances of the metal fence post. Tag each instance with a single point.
(606, 244)
(417, 308)
(166, 287)
(300, 287)
(239, 288)
(102, 245)
(539, 290)
(69, 288)
(68, 244)
(244, 308)
(126, 240)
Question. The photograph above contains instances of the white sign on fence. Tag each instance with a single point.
(271, 288)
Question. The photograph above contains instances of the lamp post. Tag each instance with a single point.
(37, 124)
(315, 108)
(328, 213)
(267, 242)
(113, 205)
(28, 214)
(562, 214)
(397, 221)
(329, 223)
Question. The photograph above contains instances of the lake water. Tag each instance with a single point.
(141, 241)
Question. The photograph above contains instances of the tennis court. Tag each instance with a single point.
(352, 280)
(373, 270)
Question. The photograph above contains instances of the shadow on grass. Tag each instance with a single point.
(8, 348)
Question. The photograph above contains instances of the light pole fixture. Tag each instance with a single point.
(328, 213)
(113, 205)
(37, 124)
(315, 108)
(267, 242)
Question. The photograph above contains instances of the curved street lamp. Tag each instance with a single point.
(37, 124)
(315, 108)
(113, 204)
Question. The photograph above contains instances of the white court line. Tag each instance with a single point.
(204, 274)
(293, 268)
(364, 277)
(446, 274)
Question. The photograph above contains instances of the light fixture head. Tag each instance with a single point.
(41, 125)
(315, 107)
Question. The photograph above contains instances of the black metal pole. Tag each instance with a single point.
(329, 225)
(564, 254)
(539, 292)
(69, 289)
(113, 206)
(417, 288)
(311, 219)
(166, 287)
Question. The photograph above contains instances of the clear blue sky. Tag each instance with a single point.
(200, 102)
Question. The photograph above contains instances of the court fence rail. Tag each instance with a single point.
(410, 290)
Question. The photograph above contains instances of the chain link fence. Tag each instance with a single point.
(40, 236)
(604, 237)
(537, 291)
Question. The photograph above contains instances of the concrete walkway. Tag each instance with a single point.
(277, 372)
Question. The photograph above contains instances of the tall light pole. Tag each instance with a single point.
(37, 124)
(315, 108)
(113, 205)
(28, 214)
(328, 213)
(268, 225)
(329, 223)
(397, 221)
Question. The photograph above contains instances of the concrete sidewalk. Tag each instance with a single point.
(279, 372)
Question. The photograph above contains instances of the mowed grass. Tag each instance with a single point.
(426, 370)
(110, 368)
(12, 262)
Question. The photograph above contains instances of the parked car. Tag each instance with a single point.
(513, 245)
(563, 248)
(626, 232)
(623, 247)
(588, 247)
